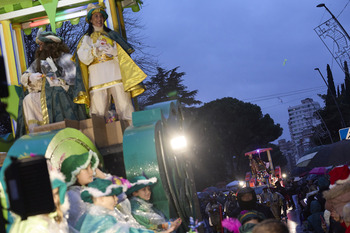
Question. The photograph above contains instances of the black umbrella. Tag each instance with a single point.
(297, 171)
(332, 155)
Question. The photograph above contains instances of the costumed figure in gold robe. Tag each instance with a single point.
(106, 68)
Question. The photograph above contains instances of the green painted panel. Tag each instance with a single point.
(8, 8)
(140, 157)
(52, 145)
(6, 142)
(146, 147)
(13, 2)
(146, 117)
(12, 100)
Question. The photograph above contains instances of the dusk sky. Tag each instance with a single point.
(246, 49)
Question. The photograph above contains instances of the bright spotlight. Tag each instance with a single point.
(284, 175)
(242, 183)
(178, 143)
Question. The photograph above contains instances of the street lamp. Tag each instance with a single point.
(335, 101)
(323, 5)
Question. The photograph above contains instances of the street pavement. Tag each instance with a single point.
(294, 223)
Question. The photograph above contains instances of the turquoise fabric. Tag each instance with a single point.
(98, 220)
(146, 214)
(60, 106)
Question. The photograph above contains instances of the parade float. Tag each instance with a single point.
(262, 172)
(153, 144)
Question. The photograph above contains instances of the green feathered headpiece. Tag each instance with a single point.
(101, 188)
(140, 182)
(72, 165)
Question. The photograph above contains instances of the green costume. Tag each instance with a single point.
(147, 215)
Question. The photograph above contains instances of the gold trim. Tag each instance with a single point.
(132, 75)
(105, 85)
(35, 122)
(44, 110)
(82, 98)
(100, 59)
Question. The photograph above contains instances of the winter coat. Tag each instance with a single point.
(314, 220)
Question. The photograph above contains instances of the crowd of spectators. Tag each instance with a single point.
(320, 202)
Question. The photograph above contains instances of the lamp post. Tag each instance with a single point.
(336, 20)
(335, 101)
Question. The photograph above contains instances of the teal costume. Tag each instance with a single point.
(99, 219)
(59, 103)
(146, 214)
(103, 218)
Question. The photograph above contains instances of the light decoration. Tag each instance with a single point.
(61, 16)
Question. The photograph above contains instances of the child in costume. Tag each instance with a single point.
(79, 171)
(101, 216)
(142, 210)
(52, 222)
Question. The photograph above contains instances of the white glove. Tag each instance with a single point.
(101, 45)
(111, 50)
(35, 77)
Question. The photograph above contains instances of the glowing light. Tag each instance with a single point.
(71, 16)
(61, 16)
(39, 23)
(178, 143)
(284, 175)
(241, 183)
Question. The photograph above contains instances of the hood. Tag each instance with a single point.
(315, 207)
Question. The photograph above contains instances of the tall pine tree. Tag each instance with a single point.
(347, 83)
(167, 85)
(331, 88)
(336, 112)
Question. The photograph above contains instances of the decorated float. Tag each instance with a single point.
(262, 172)
(153, 143)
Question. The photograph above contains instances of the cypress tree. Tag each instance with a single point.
(331, 88)
(347, 83)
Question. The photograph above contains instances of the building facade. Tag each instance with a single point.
(302, 122)
(288, 149)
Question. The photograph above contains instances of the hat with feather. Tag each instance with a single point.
(47, 37)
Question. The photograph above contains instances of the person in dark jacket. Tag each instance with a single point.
(247, 200)
(316, 217)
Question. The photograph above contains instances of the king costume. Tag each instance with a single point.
(49, 95)
(107, 70)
